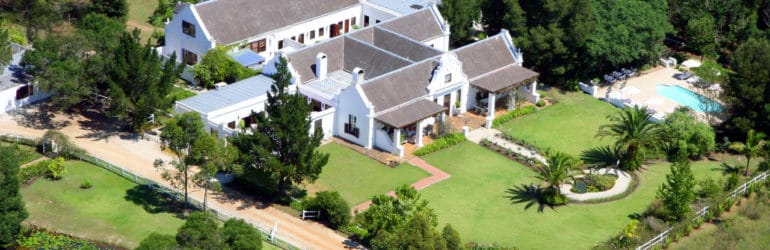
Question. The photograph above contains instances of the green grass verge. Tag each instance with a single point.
(139, 12)
(111, 211)
(179, 93)
(357, 178)
(25, 153)
(476, 203)
(569, 125)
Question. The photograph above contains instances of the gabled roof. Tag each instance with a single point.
(490, 65)
(229, 95)
(400, 86)
(229, 21)
(421, 25)
(505, 77)
(410, 113)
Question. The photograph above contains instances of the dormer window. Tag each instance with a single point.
(188, 28)
(448, 78)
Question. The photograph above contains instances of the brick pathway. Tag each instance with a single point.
(436, 176)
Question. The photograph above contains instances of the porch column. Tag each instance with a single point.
(511, 100)
(534, 87)
(452, 100)
(464, 97)
(491, 109)
(397, 137)
(419, 133)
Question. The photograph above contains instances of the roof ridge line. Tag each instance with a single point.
(381, 49)
(493, 71)
(406, 37)
(478, 42)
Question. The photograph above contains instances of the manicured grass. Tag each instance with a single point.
(476, 203)
(25, 153)
(114, 210)
(569, 125)
(358, 177)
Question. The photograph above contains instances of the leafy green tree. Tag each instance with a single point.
(239, 235)
(679, 190)
(212, 156)
(117, 9)
(281, 146)
(156, 241)
(461, 15)
(452, 238)
(11, 203)
(748, 94)
(56, 63)
(634, 133)
(334, 209)
(685, 136)
(179, 135)
(752, 148)
(216, 66)
(417, 233)
(627, 32)
(711, 72)
(703, 34)
(200, 231)
(6, 54)
(56, 168)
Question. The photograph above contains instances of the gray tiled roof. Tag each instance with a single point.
(400, 86)
(484, 56)
(410, 113)
(229, 95)
(303, 60)
(505, 77)
(421, 25)
(402, 46)
(229, 21)
(374, 61)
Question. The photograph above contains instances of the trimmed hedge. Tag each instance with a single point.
(513, 114)
(441, 143)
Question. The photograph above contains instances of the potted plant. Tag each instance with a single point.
(457, 107)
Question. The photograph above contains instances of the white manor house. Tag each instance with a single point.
(376, 85)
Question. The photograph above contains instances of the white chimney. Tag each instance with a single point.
(358, 75)
(320, 66)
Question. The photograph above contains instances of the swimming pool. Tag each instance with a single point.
(687, 98)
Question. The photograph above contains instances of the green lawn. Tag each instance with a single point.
(25, 153)
(139, 12)
(569, 126)
(358, 177)
(179, 93)
(114, 210)
(476, 203)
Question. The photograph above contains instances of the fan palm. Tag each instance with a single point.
(559, 169)
(634, 132)
(753, 147)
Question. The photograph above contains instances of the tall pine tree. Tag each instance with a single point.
(679, 190)
(281, 145)
(461, 14)
(12, 211)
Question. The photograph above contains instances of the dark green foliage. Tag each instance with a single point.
(755, 146)
(678, 191)
(514, 114)
(199, 232)
(733, 22)
(460, 14)
(6, 54)
(57, 65)
(239, 235)
(45, 240)
(685, 136)
(165, 11)
(217, 66)
(334, 209)
(35, 170)
(748, 93)
(552, 197)
(634, 133)
(417, 233)
(703, 34)
(733, 181)
(501, 14)
(117, 9)
(180, 135)
(64, 146)
(280, 147)
(709, 188)
(11, 204)
(387, 213)
(441, 143)
(158, 241)
(452, 238)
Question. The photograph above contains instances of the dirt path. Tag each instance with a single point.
(42, 158)
(436, 176)
(138, 155)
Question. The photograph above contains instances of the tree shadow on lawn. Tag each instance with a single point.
(155, 202)
(526, 194)
(728, 169)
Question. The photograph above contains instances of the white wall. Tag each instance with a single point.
(9, 103)
(327, 121)
(352, 101)
(376, 13)
(176, 40)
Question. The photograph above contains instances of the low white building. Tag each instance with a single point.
(15, 88)
(383, 85)
(265, 27)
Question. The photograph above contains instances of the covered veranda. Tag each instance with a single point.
(503, 86)
(409, 123)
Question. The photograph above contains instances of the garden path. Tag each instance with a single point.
(128, 151)
(436, 176)
(493, 135)
(42, 158)
(621, 184)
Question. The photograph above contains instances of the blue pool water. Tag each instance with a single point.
(687, 98)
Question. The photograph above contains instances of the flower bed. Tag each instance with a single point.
(513, 114)
(594, 183)
(524, 160)
(441, 143)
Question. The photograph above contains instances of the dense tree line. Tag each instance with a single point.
(201, 231)
(11, 205)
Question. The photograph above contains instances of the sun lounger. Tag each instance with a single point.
(683, 76)
(618, 75)
(609, 79)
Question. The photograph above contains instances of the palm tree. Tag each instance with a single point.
(634, 133)
(753, 147)
(559, 169)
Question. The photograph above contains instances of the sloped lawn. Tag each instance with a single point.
(25, 153)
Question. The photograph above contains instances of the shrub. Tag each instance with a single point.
(441, 143)
(709, 188)
(86, 184)
(513, 114)
(44, 240)
(540, 103)
(553, 197)
(698, 222)
(38, 169)
(732, 182)
(334, 209)
(64, 146)
(56, 168)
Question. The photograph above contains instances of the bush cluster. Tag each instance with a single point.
(441, 143)
(335, 211)
(513, 114)
(38, 169)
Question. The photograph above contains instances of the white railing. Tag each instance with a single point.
(738, 191)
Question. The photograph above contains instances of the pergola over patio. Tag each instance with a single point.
(412, 114)
(505, 80)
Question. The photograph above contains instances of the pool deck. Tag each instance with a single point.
(647, 94)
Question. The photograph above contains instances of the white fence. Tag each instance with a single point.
(269, 233)
(738, 191)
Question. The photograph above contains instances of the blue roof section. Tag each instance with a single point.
(229, 95)
(248, 58)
